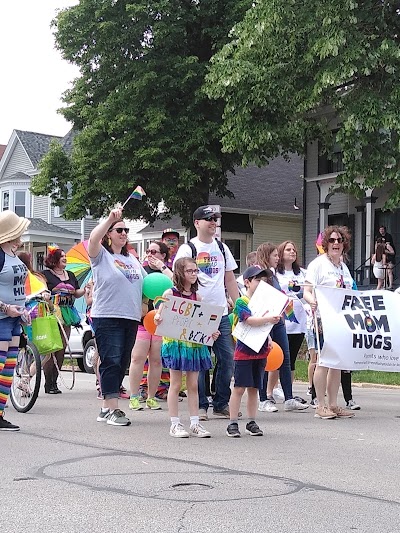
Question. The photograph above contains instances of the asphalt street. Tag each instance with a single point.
(65, 472)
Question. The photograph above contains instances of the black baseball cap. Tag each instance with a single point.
(205, 211)
(170, 230)
(254, 271)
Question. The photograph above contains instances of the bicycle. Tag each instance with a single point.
(28, 372)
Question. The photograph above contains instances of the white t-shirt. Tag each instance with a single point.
(321, 271)
(212, 268)
(286, 281)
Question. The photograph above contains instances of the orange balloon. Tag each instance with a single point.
(274, 358)
(148, 322)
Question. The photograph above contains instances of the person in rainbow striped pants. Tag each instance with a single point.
(13, 273)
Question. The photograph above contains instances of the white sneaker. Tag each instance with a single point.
(314, 403)
(203, 416)
(351, 404)
(262, 406)
(278, 394)
(179, 431)
(294, 405)
(197, 430)
(270, 407)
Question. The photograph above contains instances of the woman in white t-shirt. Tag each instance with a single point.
(291, 279)
(328, 269)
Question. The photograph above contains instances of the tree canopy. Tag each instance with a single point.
(291, 66)
(139, 106)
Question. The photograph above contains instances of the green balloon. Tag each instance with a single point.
(155, 285)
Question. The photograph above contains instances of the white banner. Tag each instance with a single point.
(361, 329)
(188, 320)
(265, 300)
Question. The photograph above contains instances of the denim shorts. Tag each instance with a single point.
(310, 339)
(10, 327)
(249, 372)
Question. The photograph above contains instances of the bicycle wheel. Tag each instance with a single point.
(27, 376)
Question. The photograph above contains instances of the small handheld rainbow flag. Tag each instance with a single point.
(158, 301)
(318, 244)
(136, 194)
(289, 313)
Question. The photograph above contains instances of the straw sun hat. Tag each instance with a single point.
(11, 226)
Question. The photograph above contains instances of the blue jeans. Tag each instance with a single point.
(279, 335)
(223, 349)
(115, 338)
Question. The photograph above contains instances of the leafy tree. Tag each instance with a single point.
(292, 66)
(139, 105)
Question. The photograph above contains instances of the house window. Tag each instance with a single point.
(234, 246)
(60, 210)
(19, 203)
(332, 163)
(5, 201)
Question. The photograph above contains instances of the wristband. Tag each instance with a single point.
(163, 268)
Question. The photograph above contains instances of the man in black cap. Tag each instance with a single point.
(216, 266)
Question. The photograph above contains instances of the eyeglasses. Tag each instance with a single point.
(331, 240)
(192, 271)
(211, 219)
(120, 230)
(152, 252)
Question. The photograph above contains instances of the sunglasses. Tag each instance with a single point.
(120, 230)
(331, 240)
(192, 271)
(211, 219)
(152, 252)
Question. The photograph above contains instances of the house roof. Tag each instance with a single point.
(68, 140)
(36, 145)
(272, 188)
(19, 176)
(159, 225)
(38, 224)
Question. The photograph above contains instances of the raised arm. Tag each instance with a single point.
(100, 230)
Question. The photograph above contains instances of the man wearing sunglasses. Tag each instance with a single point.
(216, 265)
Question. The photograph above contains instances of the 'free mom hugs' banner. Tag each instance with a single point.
(361, 329)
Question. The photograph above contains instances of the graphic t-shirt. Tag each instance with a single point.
(321, 271)
(12, 282)
(212, 268)
(296, 318)
(118, 282)
(64, 289)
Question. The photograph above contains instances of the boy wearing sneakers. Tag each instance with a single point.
(249, 365)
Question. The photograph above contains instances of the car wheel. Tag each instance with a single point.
(80, 364)
(88, 356)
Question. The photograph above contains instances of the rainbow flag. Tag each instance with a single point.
(289, 313)
(318, 244)
(158, 301)
(138, 193)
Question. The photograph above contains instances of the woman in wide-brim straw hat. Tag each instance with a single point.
(12, 303)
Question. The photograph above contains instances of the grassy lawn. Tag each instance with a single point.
(359, 376)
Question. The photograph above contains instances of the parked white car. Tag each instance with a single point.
(83, 347)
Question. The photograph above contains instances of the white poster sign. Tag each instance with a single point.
(361, 329)
(188, 320)
(266, 299)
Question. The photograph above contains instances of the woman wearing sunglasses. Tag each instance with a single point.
(116, 310)
(148, 346)
(328, 269)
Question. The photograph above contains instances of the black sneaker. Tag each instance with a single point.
(233, 430)
(300, 399)
(7, 426)
(253, 429)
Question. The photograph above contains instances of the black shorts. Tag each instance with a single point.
(249, 373)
